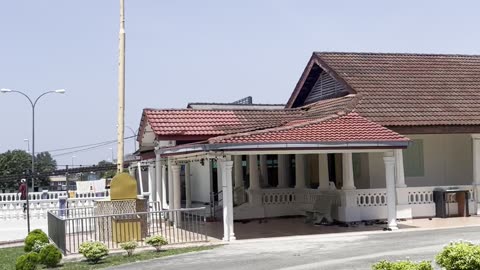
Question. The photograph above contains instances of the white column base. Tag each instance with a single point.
(392, 227)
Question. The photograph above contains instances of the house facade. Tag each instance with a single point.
(376, 132)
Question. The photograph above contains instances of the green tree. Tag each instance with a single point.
(16, 162)
(109, 173)
(44, 163)
(19, 162)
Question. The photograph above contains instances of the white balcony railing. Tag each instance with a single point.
(51, 195)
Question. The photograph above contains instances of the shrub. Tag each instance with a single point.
(156, 241)
(27, 261)
(93, 251)
(37, 247)
(33, 237)
(402, 265)
(460, 255)
(50, 256)
(129, 247)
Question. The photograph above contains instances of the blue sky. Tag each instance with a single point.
(181, 51)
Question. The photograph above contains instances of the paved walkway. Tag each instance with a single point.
(294, 226)
(332, 251)
(16, 229)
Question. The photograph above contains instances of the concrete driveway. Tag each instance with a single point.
(345, 251)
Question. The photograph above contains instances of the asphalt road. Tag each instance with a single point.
(341, 251)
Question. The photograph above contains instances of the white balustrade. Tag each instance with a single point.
(39, 208)
(278, 196)
(424, 195)
(371, 197)
(352, 205)
(33, 196)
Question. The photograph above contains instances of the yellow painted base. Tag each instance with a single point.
(126, 230)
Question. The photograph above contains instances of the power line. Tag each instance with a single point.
(88, 148)
(80, 146)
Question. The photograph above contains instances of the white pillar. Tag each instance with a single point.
(131, 170)
(282, 171)
(151, 182)
(389, 160)
(237, 167)
(177, 197)
(158, 180)
(476, 170)
(253, 166)
(219, 177)
(399, 171)
(188, 192)
(170, 186)
(164, 186)
(323, 179)
(228, 231)
(347, 166)
(299, 171)
(264, 170)
(140, 177)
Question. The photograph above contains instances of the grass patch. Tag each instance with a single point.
(8, 257)
(119, 259)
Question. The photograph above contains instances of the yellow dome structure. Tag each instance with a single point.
(123, 187)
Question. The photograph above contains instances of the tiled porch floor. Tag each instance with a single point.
(278, 227)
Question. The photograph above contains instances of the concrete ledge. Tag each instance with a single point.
(11, 243)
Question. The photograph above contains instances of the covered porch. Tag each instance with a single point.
(320, 149)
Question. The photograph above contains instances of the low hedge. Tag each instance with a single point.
(35, 236)
(27, 261)
(50, 256)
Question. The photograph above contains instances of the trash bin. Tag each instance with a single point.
(440, 197)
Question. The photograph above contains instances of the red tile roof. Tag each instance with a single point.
(191, 122)
(349, 128)
(409, 89)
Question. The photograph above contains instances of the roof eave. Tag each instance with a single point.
(282, 146)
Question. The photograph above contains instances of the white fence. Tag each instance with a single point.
(350, 205)
(11, 207)
(50, 195)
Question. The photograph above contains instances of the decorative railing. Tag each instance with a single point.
(424, 195)
(39, 208)
(371, 197)
(51, 195)
(288, 196)
(279, 196)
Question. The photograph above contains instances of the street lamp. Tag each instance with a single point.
(28, 144)
(111, 149)
(33, 103)
(73, 157)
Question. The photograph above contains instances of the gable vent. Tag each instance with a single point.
(325, 87)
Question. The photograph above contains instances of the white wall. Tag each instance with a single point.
(447, 161)
(200, 182)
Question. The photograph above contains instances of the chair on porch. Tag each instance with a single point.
(322, 209)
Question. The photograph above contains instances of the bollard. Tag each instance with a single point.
(62, 205)
(45, 194)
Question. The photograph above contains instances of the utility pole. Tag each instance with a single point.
(121, 90)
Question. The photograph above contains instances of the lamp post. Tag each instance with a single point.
(111, 150)
(28, 144)
(73, 158)
(33, 103)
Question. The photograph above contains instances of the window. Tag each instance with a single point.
(413, 159)
(357, 165)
